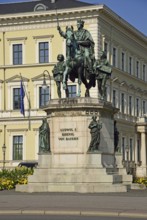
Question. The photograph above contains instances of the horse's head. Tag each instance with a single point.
(69, 36)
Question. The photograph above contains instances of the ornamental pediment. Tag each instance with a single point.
(16, 78)
(41, 77)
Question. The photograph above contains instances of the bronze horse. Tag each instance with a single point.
(76, 65)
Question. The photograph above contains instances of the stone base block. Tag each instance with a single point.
(141, 171)
(83, 173)
(70, 160)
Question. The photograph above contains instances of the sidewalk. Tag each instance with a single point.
(132, 203)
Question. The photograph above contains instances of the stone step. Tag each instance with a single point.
(75, 178)
(67, 171)
(112, 170)
(70, 187)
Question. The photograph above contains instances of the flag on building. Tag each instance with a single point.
(22, 95)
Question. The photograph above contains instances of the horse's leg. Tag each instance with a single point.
(87, 94)
(66, 91)
(84, 81)
(79, 82)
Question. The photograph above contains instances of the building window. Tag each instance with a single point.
(131, 149)
(143, 74)
(43, 52)
(123, 148)
(43, 96)
(40, 7)
(18, 147)
(123, 61)
(137, 69)
(130, 65)
(137, 107)
(114, 57)
(72, 91)
(130, 105)
(143, 108)
(17, 54)
(114, 98)
(106, 48)
(16, 98)
(122, 102)
(138, 151)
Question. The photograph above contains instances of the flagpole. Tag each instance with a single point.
(54, 2)
(28, 99)
(57, 16)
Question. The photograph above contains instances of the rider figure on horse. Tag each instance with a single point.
(84, 42)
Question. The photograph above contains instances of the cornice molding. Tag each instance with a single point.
(50, 16)
(28, 65)
(116, 18)
(42, 36)
(17, 39)
(43, 14)
(17, 130)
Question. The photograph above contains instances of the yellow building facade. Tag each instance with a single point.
(30, 43)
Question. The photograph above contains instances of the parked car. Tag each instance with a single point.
(28, 164)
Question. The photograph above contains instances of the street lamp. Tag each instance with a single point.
(4, 155)
(4, 148)
(44, 85)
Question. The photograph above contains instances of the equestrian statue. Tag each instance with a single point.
(79, 57)
(80, 60)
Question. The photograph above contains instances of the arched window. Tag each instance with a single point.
(40, 7)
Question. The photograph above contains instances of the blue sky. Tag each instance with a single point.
(133, 11)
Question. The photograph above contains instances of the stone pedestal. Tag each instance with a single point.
(69, 167)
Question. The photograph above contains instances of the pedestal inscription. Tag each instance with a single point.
(68, 134)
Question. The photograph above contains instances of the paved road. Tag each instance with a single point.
(132, 203)
(64, 217)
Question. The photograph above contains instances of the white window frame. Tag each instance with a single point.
(122, 92)
(123, 64)
(49, 49)
(131, 138)
(144, 72)
(12, 134)
(38, 84)
(11, 86)
(129, 104)
(144, 106)
(137, 98)
(23, 53)
(130, 72)
(123, 153)
(70, 83)
(116, 57)
(137, 69)
(13, 41)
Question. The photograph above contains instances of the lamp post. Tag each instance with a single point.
(44, 85)
(4, 148)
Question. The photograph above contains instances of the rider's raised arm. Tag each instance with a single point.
(63, 34)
